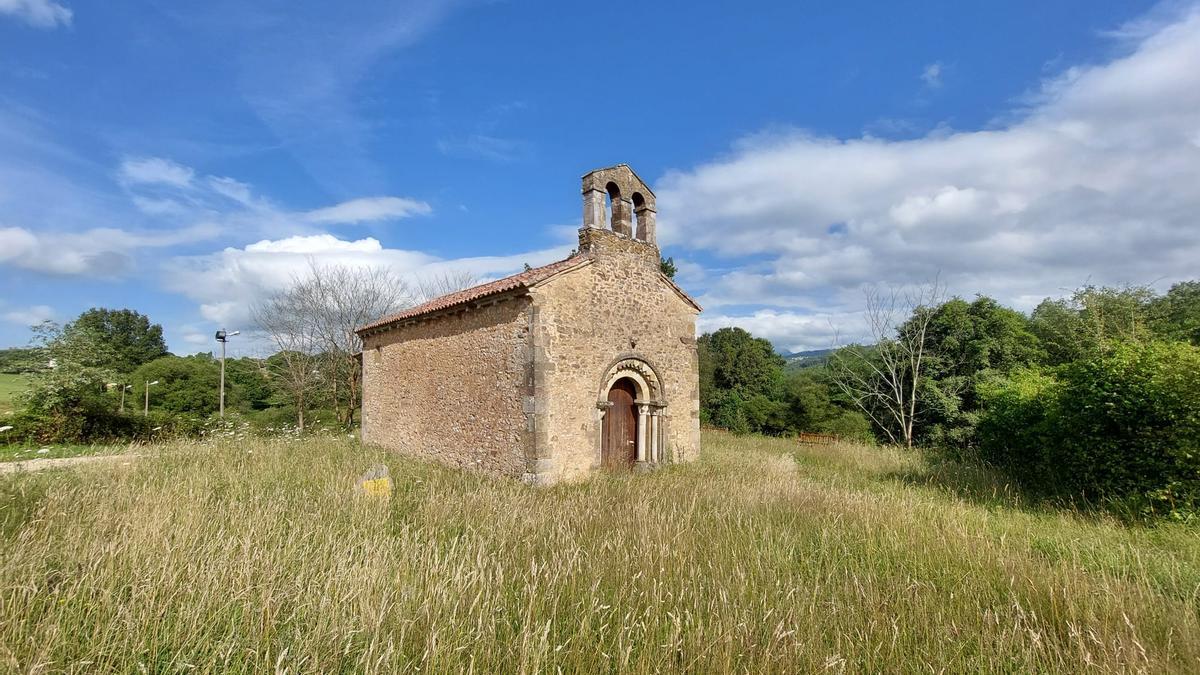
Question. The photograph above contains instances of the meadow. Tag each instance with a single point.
(10, 386)
(251, 555)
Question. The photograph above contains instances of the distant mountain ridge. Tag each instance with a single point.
(805, 359)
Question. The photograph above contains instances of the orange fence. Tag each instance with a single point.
(816, 439)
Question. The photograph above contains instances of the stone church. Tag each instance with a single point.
(586, 363)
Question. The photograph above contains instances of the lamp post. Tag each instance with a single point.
(223, 337)
(146, 408)
(124, 388)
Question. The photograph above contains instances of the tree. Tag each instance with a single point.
(68, 396)
(1176, 315)
(667, 265)
(741, 362)
(884, 380)
(249, 384)
(739, 380)
(444, 283)
(129, 336)
(967, 344)
(185, 384)
(312, 324)
(1091, 320)
(289, 322)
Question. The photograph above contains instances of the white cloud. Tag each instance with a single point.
(233, 189)
(226, 284)
(30, 316)
(367, 209)
(182, 208)
(791, 330)
(105, 253)
(155, 170)
(931, 75)
(1092, 179)
(38, 13)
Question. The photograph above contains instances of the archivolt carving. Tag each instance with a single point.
(649, 387)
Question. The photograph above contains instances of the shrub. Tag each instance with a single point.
(94, 425)
(849, 425)
(1121, 426)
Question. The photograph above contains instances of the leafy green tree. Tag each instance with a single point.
(186, 385)
(743, 363)
(129, 337)
(708, 382)
(67, 399)
(727, 411)
(1090, 320)
(969, 342)
(248, 384)
(667, 265)
(1176, 315)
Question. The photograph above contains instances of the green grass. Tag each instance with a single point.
(20, 453)
(10, 386)
(759, 557)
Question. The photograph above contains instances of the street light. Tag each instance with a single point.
(223, 337)
(146, 409)
(124, 388)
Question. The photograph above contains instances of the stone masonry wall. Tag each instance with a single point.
(453, 388)
(618, 306)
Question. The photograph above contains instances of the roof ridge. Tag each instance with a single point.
(522, 279)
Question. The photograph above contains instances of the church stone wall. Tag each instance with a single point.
(453, 388)
(617, 307)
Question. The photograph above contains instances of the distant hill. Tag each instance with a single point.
(806, 359)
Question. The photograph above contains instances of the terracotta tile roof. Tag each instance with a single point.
(517, 281)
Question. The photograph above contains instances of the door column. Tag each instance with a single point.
(655, 449)
(642, 432)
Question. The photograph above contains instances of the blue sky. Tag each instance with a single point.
(185, 161)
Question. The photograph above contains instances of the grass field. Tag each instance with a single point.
(10, 386)
(760, 557)
(21, 453)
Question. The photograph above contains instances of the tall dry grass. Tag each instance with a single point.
(760, 557)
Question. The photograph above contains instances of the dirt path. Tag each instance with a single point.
(61, 462)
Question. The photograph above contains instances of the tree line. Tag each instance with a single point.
(1094, 397)
(107, 375)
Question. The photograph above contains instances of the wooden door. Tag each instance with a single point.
(619, 437)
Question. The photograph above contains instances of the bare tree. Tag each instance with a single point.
(313, 323)
(446, 282)
(883, 379)
(284, 318)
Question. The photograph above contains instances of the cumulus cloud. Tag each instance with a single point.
(29, 316)
(37, 13)
(366, 209)
(228, 283)
(1091, 178)
(183, 207)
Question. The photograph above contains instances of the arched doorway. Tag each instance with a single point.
(632, 419)
(618, 438)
